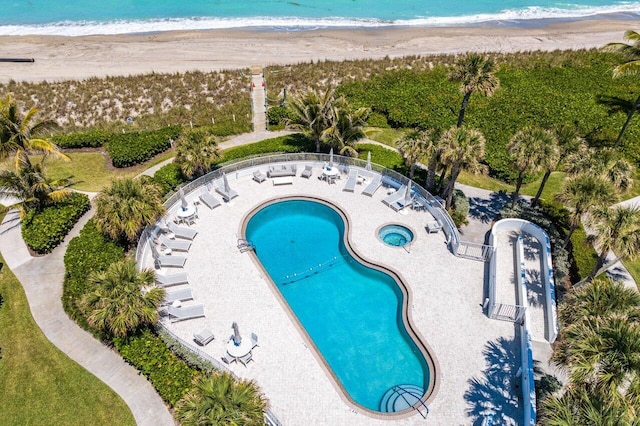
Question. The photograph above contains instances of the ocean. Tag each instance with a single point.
(81, 17)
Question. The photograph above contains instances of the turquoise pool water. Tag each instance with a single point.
(352, 313)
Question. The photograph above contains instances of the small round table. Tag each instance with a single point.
(239, 351)
(186, 214)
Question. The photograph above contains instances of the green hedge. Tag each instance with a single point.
(584, 255)
(89, 252)
(169, 177)
(43, 230)
(129, 149)
(277, 114)
(289, 144)
(171, 376)
(90, 139)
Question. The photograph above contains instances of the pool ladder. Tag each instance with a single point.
(245, 245)
(402, 397)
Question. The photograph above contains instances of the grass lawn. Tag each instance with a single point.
(386, 136)
(39, 384)
(633, 266)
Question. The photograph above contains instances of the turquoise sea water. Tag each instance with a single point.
(352, 313)
(80, 17)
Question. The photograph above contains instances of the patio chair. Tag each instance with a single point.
(178, 295)
(171, 279)
(182, 232)
(433, 227)
(254, 340)
(166, 261)
(306, 173)
(209, 200)
(373, 186)
(177, 245)
(203, 337)
(245, 359)
(350, 186)
(185, 312)
(227, 359)
(259, 177)
(227, 196)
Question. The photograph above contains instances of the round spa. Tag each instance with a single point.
(395, 235)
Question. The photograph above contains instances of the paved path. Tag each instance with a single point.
(42, 279)
(258, 101)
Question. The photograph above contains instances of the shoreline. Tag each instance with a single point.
(60, 58)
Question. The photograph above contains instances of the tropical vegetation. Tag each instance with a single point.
(195, 153)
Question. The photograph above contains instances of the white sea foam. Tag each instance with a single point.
(80, 28)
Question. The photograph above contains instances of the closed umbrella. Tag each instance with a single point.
(331, 158)
(183, 200)
(225, 182)
(236, 334)
(368, 166)
(407, 194)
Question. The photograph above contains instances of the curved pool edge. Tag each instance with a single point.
(426, 350)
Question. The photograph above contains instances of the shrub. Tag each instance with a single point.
(277, 115)
(289, 144)
(90, 139)
(89, 252)
(169, 177)
(377, 120)
(133, 148)
(171, 376)
(460, 209)
(192, 360)
(584, 255)
(44, 229)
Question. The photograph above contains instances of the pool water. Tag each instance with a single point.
(352, 313)
(395, 235)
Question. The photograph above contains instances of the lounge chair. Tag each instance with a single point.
(433, 227)
(182, 232)
(259, 177)
(254, 340)
(209, 200)
(395, 196)
(373, 185)
(165, 261)
(227, 196)
(350, 186)
(306, 173)
(185, 312)
(178, 295)
(245, 359)
(172, 279)
(203, 337)
(177, 245)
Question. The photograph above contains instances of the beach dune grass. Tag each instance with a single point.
(39, 384)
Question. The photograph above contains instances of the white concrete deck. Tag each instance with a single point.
(445, 307)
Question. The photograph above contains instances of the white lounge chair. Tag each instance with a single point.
(185, 312)
(245, 359)
(350, 186)
(172, 279)
(209, 200)
(182, 232)
(165, 261)
(203, 337)
(373, 186)
(227, 196)
(306, 173)
(181, 295)
(177, 245)
(395, 196)
(259, 177)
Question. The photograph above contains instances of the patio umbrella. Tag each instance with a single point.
(183, 200)
(225, 182)
(236, 334)
(407, 194)
(331, 158)
(368, 165)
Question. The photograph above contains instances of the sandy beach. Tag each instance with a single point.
(69, 58)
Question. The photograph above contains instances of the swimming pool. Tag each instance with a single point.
(352, 313)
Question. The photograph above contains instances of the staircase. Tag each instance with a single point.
(258, 100)
(403, 397)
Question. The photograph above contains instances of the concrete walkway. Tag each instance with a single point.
(42, 278)
(258, 100)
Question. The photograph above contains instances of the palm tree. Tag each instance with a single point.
(219, 399)
(532, 149)
(123, 298)
(125, 207)
(462, 148)
(18, 132)
(29, 184)
(311, 114)
(414, 146)
(631, 67)
(476, 74)
(607, 163)
(346, 127)
(601, 297)
(583, 193)
(569, 143)
(615, 229)
(195, 152)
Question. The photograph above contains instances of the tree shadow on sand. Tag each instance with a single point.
(497, 393)
(486, 209)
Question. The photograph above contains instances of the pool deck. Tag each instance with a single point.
(474, 354)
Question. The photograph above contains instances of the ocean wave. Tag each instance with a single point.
(292, 23)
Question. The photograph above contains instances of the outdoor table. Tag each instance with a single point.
(330, 173)
(185, 215)
(239, 351)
